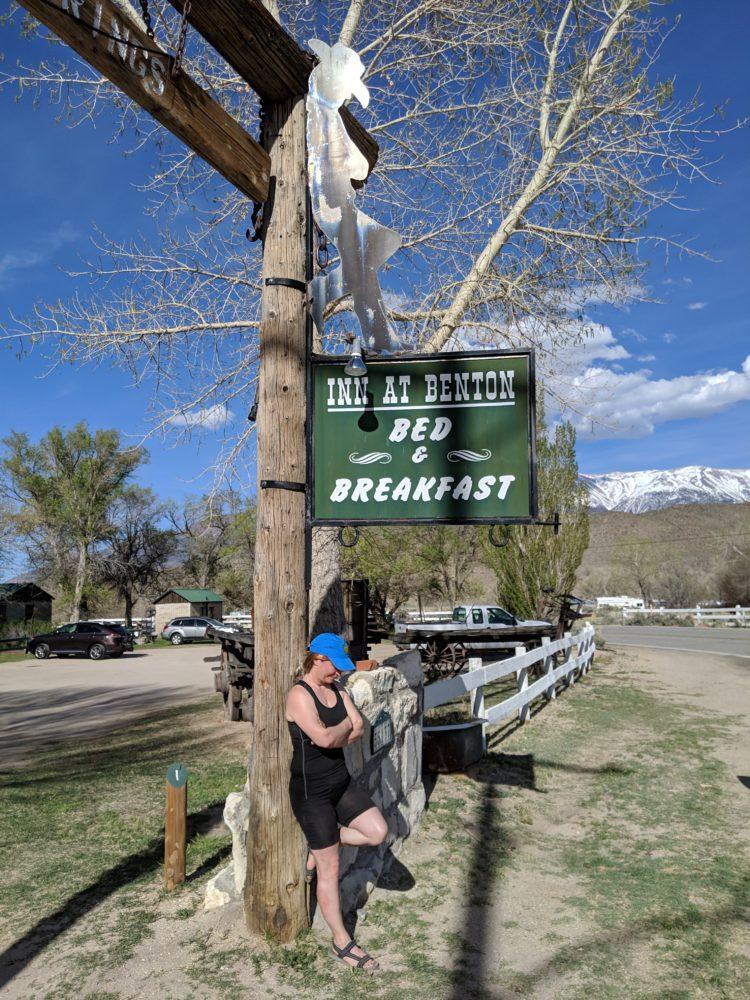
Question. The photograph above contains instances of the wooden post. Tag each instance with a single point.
(549, 666)
(274, 888)
(569, 676)
(175, 826)
(522, 681)
(477, 702)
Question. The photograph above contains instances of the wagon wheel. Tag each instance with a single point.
(432, 654)
(442, 659)
(233, 704)
(453, 659)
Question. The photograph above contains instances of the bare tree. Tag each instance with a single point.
(523, 148)
(201, 526)
(137, 549)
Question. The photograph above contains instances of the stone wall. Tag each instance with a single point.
(393, 777)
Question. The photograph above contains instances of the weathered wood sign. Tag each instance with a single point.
(107, 35)
(435, 438)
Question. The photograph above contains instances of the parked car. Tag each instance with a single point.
(92, 639)
(186, 629)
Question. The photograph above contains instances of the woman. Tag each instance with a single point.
(330, 807)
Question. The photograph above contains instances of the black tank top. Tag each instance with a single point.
(315, 766)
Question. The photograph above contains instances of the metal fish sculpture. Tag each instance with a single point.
(333, 161)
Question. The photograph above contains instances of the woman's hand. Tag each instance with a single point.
(352, 713)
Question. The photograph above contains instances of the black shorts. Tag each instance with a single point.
(321, 812)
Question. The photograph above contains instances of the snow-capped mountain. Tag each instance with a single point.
(636, 492)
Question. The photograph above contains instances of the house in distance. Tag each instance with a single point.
(24, 602)
(182, 602)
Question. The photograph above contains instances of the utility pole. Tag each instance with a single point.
(274, 889)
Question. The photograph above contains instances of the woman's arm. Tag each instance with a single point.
(300, 708)
(353, 714)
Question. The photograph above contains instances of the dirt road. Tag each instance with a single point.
(45, 701)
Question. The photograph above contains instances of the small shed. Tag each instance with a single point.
(182, 602)
(24, 602)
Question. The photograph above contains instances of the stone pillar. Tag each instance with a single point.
(393, 777)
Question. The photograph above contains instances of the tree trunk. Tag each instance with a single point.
(326, 595)
(274, 890)
(128, 607)
(81, 568)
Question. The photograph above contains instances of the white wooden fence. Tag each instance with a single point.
(579, 652)
(730, 616)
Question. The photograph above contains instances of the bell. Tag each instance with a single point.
(355, 366)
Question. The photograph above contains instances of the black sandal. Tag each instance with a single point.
(345, 952)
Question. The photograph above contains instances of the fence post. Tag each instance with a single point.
(477, 712)
(477, 699)
(587, 650)
(522, 681)
(550, 693)
(569, 676)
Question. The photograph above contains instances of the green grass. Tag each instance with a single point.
(82, 826)
(13, 656)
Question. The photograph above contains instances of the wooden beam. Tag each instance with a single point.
(143, 73)
(255, 45)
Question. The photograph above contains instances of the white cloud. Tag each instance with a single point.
(685, 282)
(646, 357)
(631, 405)
(209, 417)
(697, 305)
(14, 261)
(669, 338)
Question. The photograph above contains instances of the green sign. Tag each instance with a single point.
(440, 438)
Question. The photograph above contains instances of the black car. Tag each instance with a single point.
(92, 639)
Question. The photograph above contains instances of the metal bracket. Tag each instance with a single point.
(300, 286)
(554, 523)
(283, 484)
(262, 211)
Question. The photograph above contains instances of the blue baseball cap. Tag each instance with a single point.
(334, 647)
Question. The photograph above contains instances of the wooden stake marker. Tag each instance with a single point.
(175, 826)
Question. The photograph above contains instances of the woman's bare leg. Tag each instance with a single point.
(329, 900)
(367, 830)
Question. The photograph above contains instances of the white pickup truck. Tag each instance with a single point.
(446, 644)
(469, 617)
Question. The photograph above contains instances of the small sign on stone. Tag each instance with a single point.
(381, 736)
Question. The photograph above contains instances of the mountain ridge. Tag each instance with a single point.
(655, 489)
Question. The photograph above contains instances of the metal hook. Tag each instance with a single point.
(342, 539)
(505, 539)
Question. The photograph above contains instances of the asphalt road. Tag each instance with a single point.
(721, 641)
(45, 701)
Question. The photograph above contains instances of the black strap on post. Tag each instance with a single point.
(301, 286)
(282, 484)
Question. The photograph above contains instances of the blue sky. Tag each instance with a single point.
(57, 183)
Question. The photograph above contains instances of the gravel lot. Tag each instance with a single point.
(45, 701)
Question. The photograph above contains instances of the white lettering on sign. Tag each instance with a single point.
(485, 388)
(421, 491)
(149, 68)
(441, 429)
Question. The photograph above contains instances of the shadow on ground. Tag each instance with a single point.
(22, 952)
